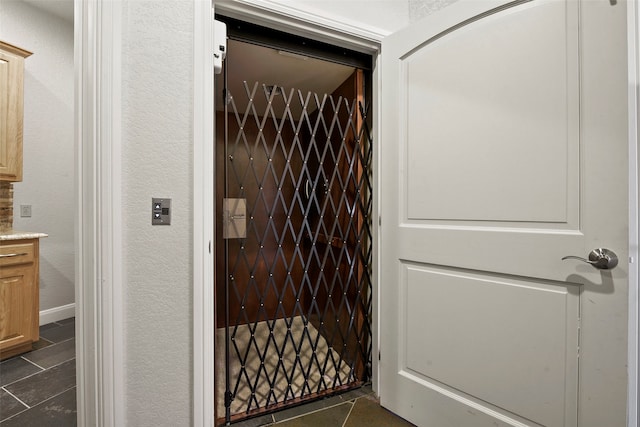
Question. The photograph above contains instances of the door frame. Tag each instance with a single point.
(203, 215)
(289, 20)
(100, 316)
(633, 47)
(99, 304)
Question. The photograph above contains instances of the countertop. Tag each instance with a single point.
(20, 235)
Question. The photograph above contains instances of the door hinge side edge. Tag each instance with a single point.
(579, 333)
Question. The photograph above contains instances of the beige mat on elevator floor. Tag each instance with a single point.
(310, 361)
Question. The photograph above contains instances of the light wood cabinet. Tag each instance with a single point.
(11, 110)
(19, 296)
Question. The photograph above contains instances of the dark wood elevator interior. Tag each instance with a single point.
(300, 162)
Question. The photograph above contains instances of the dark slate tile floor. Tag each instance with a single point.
(38, 388)
(356, 408)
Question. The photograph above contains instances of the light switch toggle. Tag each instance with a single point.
(161, 211)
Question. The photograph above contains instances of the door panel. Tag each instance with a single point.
(521, 117)
(479, 333)
(4, 115)
(17, 307)
(503, 150)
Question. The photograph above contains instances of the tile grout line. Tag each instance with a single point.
(57, 364)
(39, 372)
(309, 413)
(34, 364)
(353, 404)
(50, 347)
(58, 327)
(73, 357)
(28, 376)
(27, 408)
(39, 403)
(51, 343)
(16, 397)
(351, 401)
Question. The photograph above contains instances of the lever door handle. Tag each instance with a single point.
(308, 188)
(600, 258)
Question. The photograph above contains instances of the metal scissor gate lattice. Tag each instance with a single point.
(298, 247)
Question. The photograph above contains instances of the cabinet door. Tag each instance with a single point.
(4, 113)
(16, 308)
(11, 116)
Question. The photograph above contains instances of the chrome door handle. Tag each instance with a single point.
(600, 258)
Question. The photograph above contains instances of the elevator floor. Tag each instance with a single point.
(296, 375)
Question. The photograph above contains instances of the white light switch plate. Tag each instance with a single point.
(25, 211)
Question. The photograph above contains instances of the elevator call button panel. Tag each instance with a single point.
(160, 211)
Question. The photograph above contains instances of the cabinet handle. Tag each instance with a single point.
(5, 282)
(12, 255)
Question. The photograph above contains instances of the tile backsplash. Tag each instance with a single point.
(6, 206)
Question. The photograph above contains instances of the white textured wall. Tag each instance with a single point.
(157, 152)
(48, 181)
(381, 16)
(421, 8)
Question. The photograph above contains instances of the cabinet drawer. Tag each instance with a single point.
(16, 254)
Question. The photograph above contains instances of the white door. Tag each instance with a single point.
(504, 149)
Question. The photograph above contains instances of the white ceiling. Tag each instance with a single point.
(60, 8)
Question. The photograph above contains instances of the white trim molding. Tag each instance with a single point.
(275, 16)
(633, 23)
(57, 313)
(99, 298)
(340, 32)
(203, 216)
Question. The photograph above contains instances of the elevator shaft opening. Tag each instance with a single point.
(294, 202)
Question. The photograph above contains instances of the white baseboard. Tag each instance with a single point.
(57, 313)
